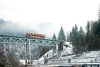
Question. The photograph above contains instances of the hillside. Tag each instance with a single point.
(66, 57)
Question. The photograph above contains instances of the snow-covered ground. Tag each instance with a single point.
(93, 56)
(67, 50)
(67, 56)
(22, 61)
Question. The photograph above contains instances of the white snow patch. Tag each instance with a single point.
(22, 61)
(67, 50)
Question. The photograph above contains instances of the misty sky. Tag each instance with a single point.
(47, 16)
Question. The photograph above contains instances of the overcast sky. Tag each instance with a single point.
(47, 16)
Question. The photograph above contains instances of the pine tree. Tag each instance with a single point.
(54, 37)
(88, 36)
(61, 37)
(81, 39)
(69, 37)
(74, 37)
(81, 35)
(74, 34)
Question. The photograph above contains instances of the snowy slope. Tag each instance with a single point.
(93, 56)
(66, 54)
(67, 49)
(47, 55)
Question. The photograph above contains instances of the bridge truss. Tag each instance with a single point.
(28, 44)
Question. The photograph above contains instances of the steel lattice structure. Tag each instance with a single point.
(27, 42)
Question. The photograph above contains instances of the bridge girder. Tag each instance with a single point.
(20, 40)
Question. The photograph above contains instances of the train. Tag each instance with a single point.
(27, 35)
(35, 35)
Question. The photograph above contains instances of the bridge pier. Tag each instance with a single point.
(28, 54)
(57, 49)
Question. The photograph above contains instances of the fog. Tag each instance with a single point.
(8, 27)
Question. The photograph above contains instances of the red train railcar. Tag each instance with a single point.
(34, 35)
